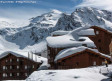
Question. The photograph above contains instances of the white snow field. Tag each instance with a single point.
(84, 74)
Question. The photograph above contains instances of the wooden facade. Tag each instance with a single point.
(52, 52)
(16, 68)
(81, 59)
(102, 39)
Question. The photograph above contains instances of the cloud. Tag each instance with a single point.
(102, 4)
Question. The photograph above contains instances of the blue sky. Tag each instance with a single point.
(19, 13)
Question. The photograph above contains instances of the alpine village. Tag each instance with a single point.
(81, 47)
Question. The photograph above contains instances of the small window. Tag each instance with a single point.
(84, 45)
(3, 74)
(25, 66)
(33, 66)
(100, 49)
(17, 67)
(17, 59)
(81, 39)
(6, 75)
(26, 74)
(10, 74)
(99, 40)
(10, 67)
(6, 61)
(6, 68)
(10, 60)
(17, 74)
(97, 32)
(77, 63)
(3, 67)
(94, 63)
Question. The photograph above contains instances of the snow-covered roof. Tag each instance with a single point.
(24, 54)
(70, 40)
(70, 51)
(86, 32)
(60, 32)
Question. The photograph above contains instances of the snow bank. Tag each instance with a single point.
(85, 74)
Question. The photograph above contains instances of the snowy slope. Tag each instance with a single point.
(42, 26)
(86, 74)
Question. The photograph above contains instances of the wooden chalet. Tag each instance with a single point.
(80, 57)
(14, 66)
(102, 39)
(58, 43)
(93, 38)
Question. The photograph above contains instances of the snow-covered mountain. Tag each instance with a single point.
(42, 26)
(86, 16)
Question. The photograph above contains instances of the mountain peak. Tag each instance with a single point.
(56, 11)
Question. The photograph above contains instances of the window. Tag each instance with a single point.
(10, 74)
(77, 63)
(99, 40)
(33, 66)
(6, 68)
(17, 74)
(10, 67)
(94, 63)
(100, 48)
(3, 74)
(81, 39)
(17, 67)
(3, 67)
(26, 74)
(17, 59)
(6, 61)
(97, 32)
(25, 66)
(10, 60)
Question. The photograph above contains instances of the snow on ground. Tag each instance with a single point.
(84, 74)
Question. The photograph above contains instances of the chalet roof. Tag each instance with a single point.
(102, 29)
(35, 58)
(60, 32)
(74, 50)
(72, 39)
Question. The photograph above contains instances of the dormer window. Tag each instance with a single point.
(81, 39)
(84, 45)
